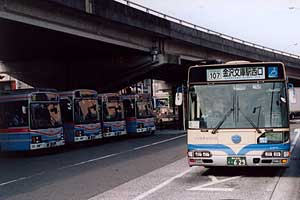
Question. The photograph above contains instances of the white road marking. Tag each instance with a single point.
(214, 181)
(93, 160)
(163, 184)
(123, 152)
(215, 189)
(296, 139)
(21, 179)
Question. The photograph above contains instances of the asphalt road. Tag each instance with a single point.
(152, 167)
(81, 172)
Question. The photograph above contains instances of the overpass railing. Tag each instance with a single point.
(200, 28)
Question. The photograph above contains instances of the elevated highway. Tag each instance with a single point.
(107, 45)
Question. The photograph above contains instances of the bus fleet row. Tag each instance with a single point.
(39, 119)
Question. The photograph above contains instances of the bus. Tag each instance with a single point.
(30, 119)
(80, 115)
(238, 115)
(139, 113)
(112, 115)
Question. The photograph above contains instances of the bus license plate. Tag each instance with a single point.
(236, 161)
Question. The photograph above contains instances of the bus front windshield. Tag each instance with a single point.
(243, 105)
(144, 109)
(85, 111)
(45, 115)
(113, 111)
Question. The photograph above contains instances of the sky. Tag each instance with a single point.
(266, 22)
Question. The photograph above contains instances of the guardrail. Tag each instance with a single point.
(200, 28)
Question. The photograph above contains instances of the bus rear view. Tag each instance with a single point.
(238, 115)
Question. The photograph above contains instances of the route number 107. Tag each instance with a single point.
(214, 75)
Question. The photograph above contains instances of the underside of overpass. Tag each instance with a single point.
(48, 58)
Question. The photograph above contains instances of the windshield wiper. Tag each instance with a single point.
(250, 121)
(222, 121)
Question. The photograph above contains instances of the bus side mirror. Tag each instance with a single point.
(178, 99)
(24, 110)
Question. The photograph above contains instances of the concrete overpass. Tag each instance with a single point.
(106, 45)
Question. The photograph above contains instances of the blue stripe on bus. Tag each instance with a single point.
(243, 151)
(264, 147)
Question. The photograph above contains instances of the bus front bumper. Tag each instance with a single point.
(87, 138)
(143, 130)
(114, 133)
(251, 161)
(45, 145)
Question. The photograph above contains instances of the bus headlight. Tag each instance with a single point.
(268, 154)
(190, 154)
(286, 154)
(198, 154)
(141, 125)
(79, 133)
(205, 154)
(36, 139)
(277, 154)
(202, 154)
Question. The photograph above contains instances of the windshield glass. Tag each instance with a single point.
(246, 105)
(144, 109)
(45, 115)
(113, 111)
(86, 111)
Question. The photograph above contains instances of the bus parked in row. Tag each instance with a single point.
(238, 115)
(80, 114)
(30, 119)
(112, 115)
(139, 113)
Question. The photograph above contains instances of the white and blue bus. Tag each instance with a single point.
(112, 115)
(139, 113)
(238, 115)
(29, 120)
(80, 115)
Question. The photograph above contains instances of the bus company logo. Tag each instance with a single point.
(236, 139)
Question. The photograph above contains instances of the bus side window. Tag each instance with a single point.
(13, 113)
(66, 110)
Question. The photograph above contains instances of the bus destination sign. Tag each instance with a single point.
(238, 73)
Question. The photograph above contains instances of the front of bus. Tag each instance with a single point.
(86, 116)
(113, 115)
(45, 122)
(144, 113)
(238, 115)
